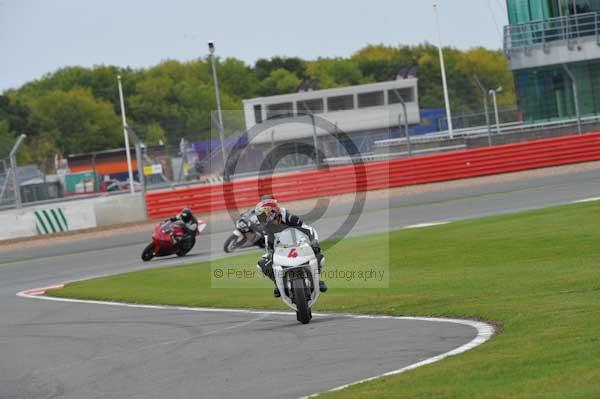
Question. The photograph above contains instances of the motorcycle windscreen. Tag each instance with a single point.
(291, 238)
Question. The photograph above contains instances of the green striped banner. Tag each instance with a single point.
(211, 179)
(49, 221)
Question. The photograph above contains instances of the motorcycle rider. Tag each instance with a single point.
(271, 216)
(190, 224)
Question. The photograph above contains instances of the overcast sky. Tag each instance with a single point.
(40, 36)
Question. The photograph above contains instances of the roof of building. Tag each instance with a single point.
(408, 82)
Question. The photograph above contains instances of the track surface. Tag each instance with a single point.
(73, 350)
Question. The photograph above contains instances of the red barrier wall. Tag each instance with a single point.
(378, 175)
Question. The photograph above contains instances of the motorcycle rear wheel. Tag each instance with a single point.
(303, 313)
(148, 252)
(185, 247)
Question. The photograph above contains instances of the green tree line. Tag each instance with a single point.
(76, 110)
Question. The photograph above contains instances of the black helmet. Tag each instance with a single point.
(186, 215)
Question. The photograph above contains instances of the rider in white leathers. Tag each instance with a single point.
(272, 217)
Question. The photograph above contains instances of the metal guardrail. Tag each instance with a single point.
(391, 155)
(481, 131)
(544, 32)
(476, 119)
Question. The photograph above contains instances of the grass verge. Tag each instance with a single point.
(536, 273)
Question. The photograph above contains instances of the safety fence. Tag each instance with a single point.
(7, 192)
(362, 177)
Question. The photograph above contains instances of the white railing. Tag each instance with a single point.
(481, 131)
(541, 33)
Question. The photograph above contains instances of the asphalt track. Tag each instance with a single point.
(77, 350)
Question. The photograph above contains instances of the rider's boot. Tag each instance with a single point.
(321, 260)
(322, 286)
(265, 264)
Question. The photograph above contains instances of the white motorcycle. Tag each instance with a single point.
(296, 270)
(248, 233)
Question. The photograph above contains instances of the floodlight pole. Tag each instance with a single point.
(124, 118)
(575, 96)
(315, 140)
(3, 190)
(494, 94)
(406, 133)
(13, 166)
(443, 68)
(140, 165)
(211, 48)
(485, 108)
(314, 131)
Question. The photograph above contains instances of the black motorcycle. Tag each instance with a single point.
(248, 233)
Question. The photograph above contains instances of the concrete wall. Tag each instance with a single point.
(14, 225)
(71, 216)
(119, 209)
(555, 53)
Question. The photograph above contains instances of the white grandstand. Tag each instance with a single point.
(361, 108)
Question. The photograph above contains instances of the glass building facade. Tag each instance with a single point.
(545, 91)
(522, 11)
(546, 94)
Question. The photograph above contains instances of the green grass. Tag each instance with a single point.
(536, 274)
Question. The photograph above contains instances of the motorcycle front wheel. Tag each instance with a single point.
(303, 313)
(232, 243)
(148, 252)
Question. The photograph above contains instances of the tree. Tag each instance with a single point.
(376, 52)
(7, 142)
(379, 62)
(280, 81)
(335, 72)
(15, 113)
(264, 67)
(100, 79)
(154, 100)
(76, 121)
(40, 150)
(63, 79)
(7, 139)
(430, 82)
(155, 134)
(237, 79)
(492, 69)
(460, 89)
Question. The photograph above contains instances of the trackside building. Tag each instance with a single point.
(547, 43)
(364, 112)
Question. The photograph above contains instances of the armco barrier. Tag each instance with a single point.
(379, 175)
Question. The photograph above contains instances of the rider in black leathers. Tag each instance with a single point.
(190, 223)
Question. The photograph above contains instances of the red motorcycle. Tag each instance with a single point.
(170, 238)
